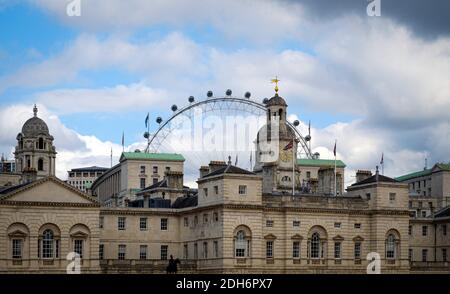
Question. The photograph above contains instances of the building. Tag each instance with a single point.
(237, 221)
(7, 166)
(82, 178)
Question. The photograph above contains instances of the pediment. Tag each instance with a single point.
(49, 190)
(79, 234)
(358, 239)
(17, 234)
(338, 238)
(297, 237)
(270, 237)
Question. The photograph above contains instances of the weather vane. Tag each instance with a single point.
(275, 81)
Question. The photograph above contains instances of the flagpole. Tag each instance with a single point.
(293, 168)
(111, 156)
(335, 184)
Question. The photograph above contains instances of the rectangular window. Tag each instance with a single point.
(143, 224)
(424, 230)
(142, 183)
(368, 196)
(216, 249)
(216, 190)
(168, 168)
(205, 192)
(269, 223)
(101, 251)
(269, 249)
(296, 223)
(444, 254)
(121, 222)
(142, 169)
(392, 196)
(444, 230)
(337, 225)
(100, 222)
(195, 251)
(17, 245)
(205, 250)
(78, 247)
(205, 218)
(357, 226)
(155, 169)
(424, 213)
(185, 251)
(410, 254)
(155, 180)
(164, 251)
(164, 224)
(242, 190)
(143, 252)
(357, 250)
(308, 174)
(410, 204)
(424, 255)
(195, 220)
(216, 217)
(410, 230)
(186, 222)
(337, 250)
(122, 251)
(295, 249)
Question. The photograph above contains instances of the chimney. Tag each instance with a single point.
(361, 175)
(204, 170)
(29, 175)
(174, 179)
(215, 165)
(376, 174)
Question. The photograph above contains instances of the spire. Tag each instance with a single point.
(229, 160)
(275, 81)
(35, 110)
(376, 174)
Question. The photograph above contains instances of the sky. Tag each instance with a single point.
(376, 84)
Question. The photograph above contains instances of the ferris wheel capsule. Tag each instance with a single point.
(159, 120)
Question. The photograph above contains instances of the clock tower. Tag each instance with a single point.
(276, 149)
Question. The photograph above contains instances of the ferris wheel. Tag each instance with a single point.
(220, 106)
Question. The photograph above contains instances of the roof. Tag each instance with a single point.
(90, 168)
(320, 162)
(374, 179)
(229, 169)
(152, 156)
(34, 127)
(8, 189)
(186, 201)
(425, 172)
(160, 184)
(444, 212)
(276, 100)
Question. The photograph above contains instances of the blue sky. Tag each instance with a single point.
(361, 80)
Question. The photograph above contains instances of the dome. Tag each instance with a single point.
(35, 126)
(276, 100)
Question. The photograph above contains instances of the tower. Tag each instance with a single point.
(35, 153)
(280, 170)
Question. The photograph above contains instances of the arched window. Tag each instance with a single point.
(280, 113)
(241, 244)
(47, 244)
(286, 179)
(391, 245)
(40, 164)
(41, 143)
(315, 245)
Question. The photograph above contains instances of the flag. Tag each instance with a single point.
(382, 158)
(309, 128)
(146, 120)
(289, 146)
(123, 139)
(236, 161)
(334, 150)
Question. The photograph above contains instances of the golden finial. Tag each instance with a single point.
(275, 81)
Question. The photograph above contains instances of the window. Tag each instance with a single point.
(143, 224)
(392, 196)
(17, 245)
(216, 190)
(368, 196)
(216, 249)
(295, 249)
(444, 230)
(121, 223)
(142, 169)
(444, 254)
(241, 244)
(101, 222)
(315, 245)
(205, 192)
(78, 247)
(164, 250)
(164, 224)
(185, 251)
(424, 230)
(155, 169)
(410, 204)
(410, 230)
(390, 247)
(47, 244)
(357, 250)
(205, 218)
(40, 164)
(205, 250)
(357, 226)
(142, 183)
(269, 249)
(155, 180)
(424, 255)
(122, 251)
(420, 204)
(168, 168)
(143, 252)
(308, 174)
(195, 220)
(216, 216)
(337, 225)
(410, 254)
(424, 213)
(186, 222)
(296, 223)
(337, 250)
(101, 251)
(195, 251)
(285, 179)
(269, 223)
(242, 190)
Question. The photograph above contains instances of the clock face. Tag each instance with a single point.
(285, 155)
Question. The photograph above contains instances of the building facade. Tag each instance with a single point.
(82, 178)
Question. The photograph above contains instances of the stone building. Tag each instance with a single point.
(83, 177)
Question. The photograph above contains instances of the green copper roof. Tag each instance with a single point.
(320, 162)
(88, 185)
(422, 173)
(152, 156)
